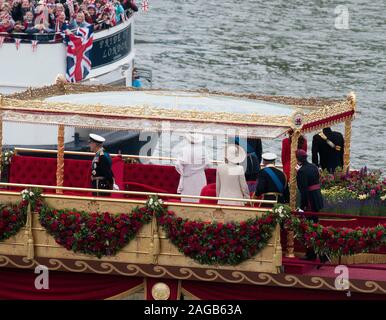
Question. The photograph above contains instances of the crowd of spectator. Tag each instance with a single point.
(61, 16)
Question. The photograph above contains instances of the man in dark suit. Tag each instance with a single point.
(102, 176)
(310, 195)
(328, 145)
(271, 179)
(254, 149)
(308, 184)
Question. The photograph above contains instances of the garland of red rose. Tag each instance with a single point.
(12, 219)
(218, 243)
(206, 242)
(93, 233)
(338, 241)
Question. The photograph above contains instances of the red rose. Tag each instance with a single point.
(13, 218)
(362, 244)
(54, 225)
(379, 234)
(341, 241)
(5, 213)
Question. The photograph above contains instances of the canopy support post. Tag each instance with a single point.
(60, 159)
(347, 144)
(293, 191)
(1, 138)
(347, 133)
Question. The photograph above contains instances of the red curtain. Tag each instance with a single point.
(223, 291)
(172, 284)
(20, 284)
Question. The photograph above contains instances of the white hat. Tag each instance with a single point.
(269, 156)
(194, 137)
(235, 154)
(96, 138)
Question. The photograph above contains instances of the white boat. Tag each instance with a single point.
(24, 66)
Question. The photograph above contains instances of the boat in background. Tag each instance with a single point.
(37, 62)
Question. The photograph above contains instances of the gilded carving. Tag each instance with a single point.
(160, 291)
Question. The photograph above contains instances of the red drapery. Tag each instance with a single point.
(224, 291)
(20, 284)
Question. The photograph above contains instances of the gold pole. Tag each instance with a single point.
(347, 133)
(1, 140)
(347, 144)
(60, 159)
(292, 182)
(29, 244)
(293, 191)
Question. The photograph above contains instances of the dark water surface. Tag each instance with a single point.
(274, 47)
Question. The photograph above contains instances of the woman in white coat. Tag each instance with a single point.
(230, 178)
(191, 166)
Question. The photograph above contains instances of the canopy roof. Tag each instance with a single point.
(121, 108)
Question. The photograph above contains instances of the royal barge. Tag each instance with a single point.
(131, 242)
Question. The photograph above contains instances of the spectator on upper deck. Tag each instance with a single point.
(119, 11)
(16, 12)
(28, 22)
(61, 24)
(106, 21)
(6, 25)
(91, 15)
(79, 21)
(19, 27)
(130, 6)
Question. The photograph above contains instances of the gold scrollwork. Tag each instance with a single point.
(187, 273)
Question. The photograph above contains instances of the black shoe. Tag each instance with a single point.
(309, 257)
(323, 258)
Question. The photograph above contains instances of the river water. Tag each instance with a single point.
(294, 48)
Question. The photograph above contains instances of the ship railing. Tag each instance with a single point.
(140, 195)
(91, 154)
(47, 37)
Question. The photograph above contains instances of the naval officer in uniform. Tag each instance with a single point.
(271, 179)
(102, 176)
(311, 198)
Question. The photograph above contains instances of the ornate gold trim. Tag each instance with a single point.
(188, 293)
(121, 295)
(69, 88)
(60, 160)
(236, 277)
(33, 102)
(326, 112)
(147, 112)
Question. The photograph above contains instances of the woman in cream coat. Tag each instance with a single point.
(230, 179)
(191, 166)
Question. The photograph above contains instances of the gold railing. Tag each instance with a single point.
(128, 156)
(139, 193)
(85, 153)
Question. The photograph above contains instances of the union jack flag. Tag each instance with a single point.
(145, 5)
(79, 44)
